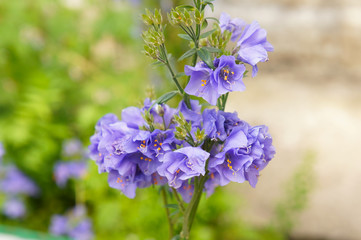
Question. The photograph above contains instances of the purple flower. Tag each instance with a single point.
(74, 224)
(192, 114)
(59, 225)
(2, 151)
(161, 142)
(129, 182)
(14, 208)
(234, 26)
(228, 75)
(219, 124)
(213, 124)
(231, 121)
(82, 231)
(246, 151)
(109, 143)
(210, 84)
(73, 148)
(183, 164)
(201, 84)
(15, 182)
(253, 46)
(132, 116)
(63, 171)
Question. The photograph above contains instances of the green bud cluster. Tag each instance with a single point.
(183, 127)
(219, 40)
(200, 135)
(186, 17)
(152, 19)
(149, 119)
(152, 39)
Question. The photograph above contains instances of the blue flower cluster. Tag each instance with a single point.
(74, 224)
(227, 74)
(15, 185)
(76, 167)
(135, 156)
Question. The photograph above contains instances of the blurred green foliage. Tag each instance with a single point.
(61, 69)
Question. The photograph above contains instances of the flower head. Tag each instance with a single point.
(74, 224)
(234, 26)
(2, 152)
(210, 84)
(253, 46)
(201, 84)
(15, 182)
(246, 151)
(192, 114)
(183, 164)
(63, 171)
(14, 208)
(228, 75)
(73, 148)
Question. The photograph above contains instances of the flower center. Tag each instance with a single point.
(226, 73)
(118, 148)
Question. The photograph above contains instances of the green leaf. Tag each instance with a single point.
(205, 56)
(188, 54)
(204, 24)
(185, 36)
(166, 97)
(175, 206)
(157, 63)
(189, 7)
(213, 18)
(213, 50)
(206, 34)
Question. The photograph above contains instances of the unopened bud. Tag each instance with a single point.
(198, 16)
(158, 17)
(160, 110)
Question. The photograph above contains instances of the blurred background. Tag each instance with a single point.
(66, 63)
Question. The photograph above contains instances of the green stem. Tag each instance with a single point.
(175, 80)
(179, 200)
(166, 62)
(193, 206)
(170, 224)
(224, 101)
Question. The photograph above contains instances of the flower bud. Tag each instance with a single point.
(187, 19)
(198, 17)
(158, 19)
(199, 135)
(147, 20)
(160, 110)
